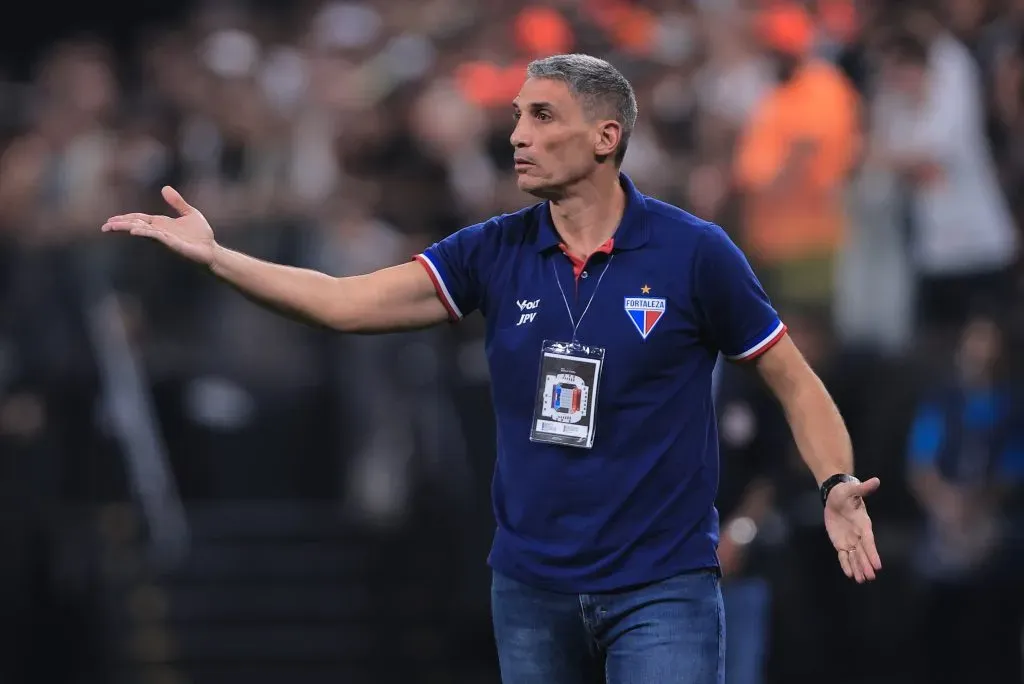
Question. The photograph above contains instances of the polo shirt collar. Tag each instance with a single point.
(632, 232)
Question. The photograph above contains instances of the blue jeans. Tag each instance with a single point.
(747, 612)
(668, 632)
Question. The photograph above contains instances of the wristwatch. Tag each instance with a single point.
(831, 482)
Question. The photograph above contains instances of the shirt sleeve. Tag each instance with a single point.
(734, 310)
(454, 266)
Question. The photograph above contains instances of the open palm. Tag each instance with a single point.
(849, 529)
(189, 234)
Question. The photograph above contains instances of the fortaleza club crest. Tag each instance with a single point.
(645, 312)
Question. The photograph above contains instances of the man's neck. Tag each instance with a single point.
(589, 213)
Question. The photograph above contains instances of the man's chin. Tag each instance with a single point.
(533, 186)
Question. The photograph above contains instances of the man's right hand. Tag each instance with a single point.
(389, 300)
(189, 234)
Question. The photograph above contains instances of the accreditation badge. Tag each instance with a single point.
(567, 390)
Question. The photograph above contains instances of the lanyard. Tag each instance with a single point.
(576, 324)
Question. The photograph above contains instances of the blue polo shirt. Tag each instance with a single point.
(638, 506)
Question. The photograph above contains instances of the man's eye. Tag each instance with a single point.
(543, 116)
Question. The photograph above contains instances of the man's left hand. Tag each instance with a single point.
(849, 528)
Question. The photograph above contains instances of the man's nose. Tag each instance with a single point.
(518, 137)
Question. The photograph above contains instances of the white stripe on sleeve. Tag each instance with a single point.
(769, 339)
(441, 286)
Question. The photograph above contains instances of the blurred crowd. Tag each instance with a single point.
(867, 155)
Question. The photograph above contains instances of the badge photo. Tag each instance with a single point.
(567, 391)
(566, 397)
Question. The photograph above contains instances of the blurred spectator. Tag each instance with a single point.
(876, 276)
(966, 456)
(874, 300)
(389, 386)
(735, 75)
(1002, 57)
(932, 134)
(730, 82)
(793, 160)
(57, 175)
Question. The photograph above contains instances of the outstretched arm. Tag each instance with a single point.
(738, 318)
(824, 445)
(392, 299)
(389, 300)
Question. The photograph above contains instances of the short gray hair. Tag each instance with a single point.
(602, 89)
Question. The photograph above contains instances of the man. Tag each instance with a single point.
(606, 311)
(966, 470)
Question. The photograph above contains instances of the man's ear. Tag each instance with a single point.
(608, 137)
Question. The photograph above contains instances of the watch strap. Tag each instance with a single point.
(829, 484)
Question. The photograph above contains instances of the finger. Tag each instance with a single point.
(858, 572)
(128, 222)
(134, 216)
(124, 224)
(867, 487)
(867, 544)
(861, 559)
(844, 562)
(136, 227)
(172, 197)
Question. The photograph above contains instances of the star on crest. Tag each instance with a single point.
(646, 289)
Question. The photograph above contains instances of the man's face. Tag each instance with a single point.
(556, 143)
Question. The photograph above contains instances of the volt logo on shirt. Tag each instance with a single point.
(527, 306)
